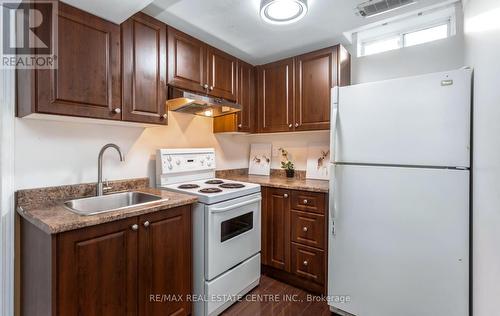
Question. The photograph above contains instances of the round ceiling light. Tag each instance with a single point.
(282, 11)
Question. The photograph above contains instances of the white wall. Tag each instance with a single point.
(482, 43)
(435, 56)
(295, 143)
(54, 153)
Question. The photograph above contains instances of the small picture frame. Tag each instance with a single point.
(260, 159)
(318, 158)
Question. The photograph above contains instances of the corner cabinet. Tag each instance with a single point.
(244, 121)
(144, 75)
(80, 86)
(295, 94)
(109, 269)
(294, 237)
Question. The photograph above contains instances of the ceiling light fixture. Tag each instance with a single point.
(282, 11)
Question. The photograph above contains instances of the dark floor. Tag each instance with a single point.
(273, 297)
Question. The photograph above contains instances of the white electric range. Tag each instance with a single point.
(226, 227)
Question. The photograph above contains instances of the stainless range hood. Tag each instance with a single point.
(189, 102)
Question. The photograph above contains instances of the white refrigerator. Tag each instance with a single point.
(399, 197)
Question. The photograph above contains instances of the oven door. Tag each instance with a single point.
(233, 233)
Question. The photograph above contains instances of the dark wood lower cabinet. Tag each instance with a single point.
(109, 269)
(165, 261)
(294, 238)
(97, 270)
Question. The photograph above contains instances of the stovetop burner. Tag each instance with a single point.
(188, 186)
(232, 185)
(210, 190)
(214, 182)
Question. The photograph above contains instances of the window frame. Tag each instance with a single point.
(401, 34)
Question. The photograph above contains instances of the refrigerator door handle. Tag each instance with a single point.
(333, 135)
(331, 198)
(334, 119)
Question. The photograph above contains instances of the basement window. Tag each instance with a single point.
(405, 32)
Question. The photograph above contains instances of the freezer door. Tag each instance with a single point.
(401, 242)
(422, 120)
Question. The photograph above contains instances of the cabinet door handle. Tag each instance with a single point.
(134, 227)
(239, 125)
(296, 124)
(306, 201)
(285, 195)
(305, 263)
(146, 224)
(211, 88)
(164, 116)
(205, 86)
(290, 125)
(117, 110)
(304, 229)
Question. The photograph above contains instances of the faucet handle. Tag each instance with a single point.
(106, 186)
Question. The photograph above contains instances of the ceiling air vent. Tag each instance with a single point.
(375, 7)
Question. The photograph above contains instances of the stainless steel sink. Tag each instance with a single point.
(111, 202)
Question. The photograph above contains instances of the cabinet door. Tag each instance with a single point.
(246, 97)
(275, 96)
(97, 270)
(82, 86)
(314, 82)
(144, 69)
(221, 74)
(276, 227)
(165, 261)
(187, 66)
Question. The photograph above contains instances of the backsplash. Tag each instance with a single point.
(228, 173)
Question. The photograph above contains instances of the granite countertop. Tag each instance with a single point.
(52, 217)
(281, 182)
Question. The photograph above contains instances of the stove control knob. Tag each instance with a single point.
(170, 166)
(202, 162)
(178, 162)
(169, 158)
(209, 164)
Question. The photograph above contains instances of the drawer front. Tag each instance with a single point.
(308, 263)
(308, 229)
(309, 201)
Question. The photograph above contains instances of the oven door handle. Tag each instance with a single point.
(232, 207)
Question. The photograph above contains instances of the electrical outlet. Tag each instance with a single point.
(275, 151)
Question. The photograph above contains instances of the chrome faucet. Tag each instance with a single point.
(99, 165)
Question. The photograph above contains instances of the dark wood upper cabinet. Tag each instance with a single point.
(246, 97)
(87, 81)
(276, 96)
(316, 74)
(144, 69)
(295, 94)
(97, 270)
(244, 121)
(165, 261)
(314, 82)
(187, 62)
(221, 74)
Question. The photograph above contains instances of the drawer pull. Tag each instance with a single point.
(304, 229)
(305, 263)
(285, 195)
(146, 224)
(134, 227)
(306, 201)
